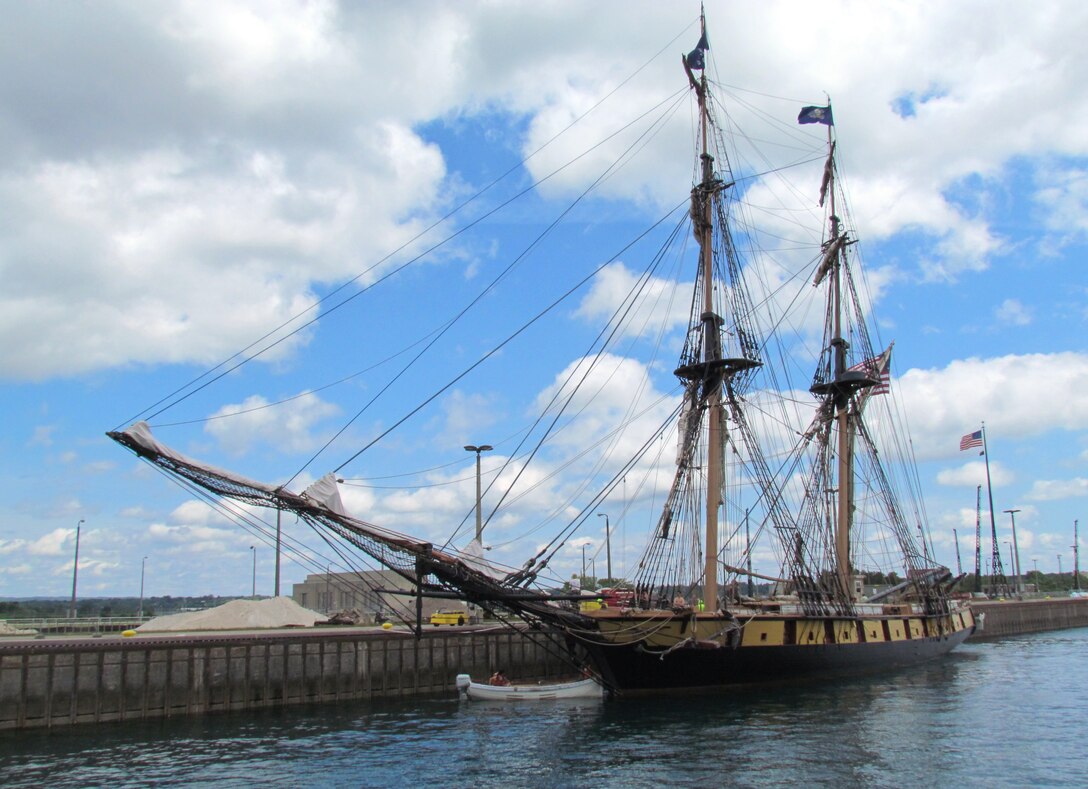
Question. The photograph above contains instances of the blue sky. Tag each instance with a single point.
(188, 177)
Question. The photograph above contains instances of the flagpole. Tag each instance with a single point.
(990, 494)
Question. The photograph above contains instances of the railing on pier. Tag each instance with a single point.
(78, 625)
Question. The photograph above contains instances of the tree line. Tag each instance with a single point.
(52, 608)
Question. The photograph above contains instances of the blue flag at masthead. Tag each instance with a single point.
(816, 115)
(696, 59)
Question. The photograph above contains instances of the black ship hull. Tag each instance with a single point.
(631, 668)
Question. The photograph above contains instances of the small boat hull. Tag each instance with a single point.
(479, 691)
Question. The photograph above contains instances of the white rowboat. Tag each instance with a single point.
(480, 691)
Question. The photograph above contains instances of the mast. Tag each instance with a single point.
(841, 388)
(712, 355)
(703, 377)
(706, 369)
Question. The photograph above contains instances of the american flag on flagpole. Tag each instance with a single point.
(971, 440)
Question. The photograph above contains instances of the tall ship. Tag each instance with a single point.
(813, 469)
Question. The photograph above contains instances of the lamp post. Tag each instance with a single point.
(583, 563)
(1012, 564)
(1015, 550)
(479, 514)
(607, 544)
(143, 566)
(1076, 557)
(75, 573)
(276, 590)
(748, 553)
(253, 593)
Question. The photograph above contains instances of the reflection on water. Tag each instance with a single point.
(975, 717)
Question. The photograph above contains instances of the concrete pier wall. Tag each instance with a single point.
(46, 683)
(1014, 617)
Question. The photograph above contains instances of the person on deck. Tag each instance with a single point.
(499, 678)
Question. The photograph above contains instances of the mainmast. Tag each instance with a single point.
(711, 366)
(842, 382)
(712, 350)
(845, 424)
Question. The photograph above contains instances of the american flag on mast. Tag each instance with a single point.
(971, 440)
(878, 367)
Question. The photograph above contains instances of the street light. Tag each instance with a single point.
(328, 590)
(583, 562)
(607, 544)
(279, 536)
(1015, 549)
(75, 573)
(1076, 557)
(253, 594)
(1012, 564)
(479, 514)
(1038, 585)
(143, 565)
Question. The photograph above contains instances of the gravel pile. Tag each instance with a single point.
(238, 615)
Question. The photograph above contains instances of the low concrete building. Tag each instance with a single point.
(332, 592)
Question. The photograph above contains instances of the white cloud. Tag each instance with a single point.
(974, 473)
(223, 160)
(1004, 391)
(53, 544)
(1013, 313)
(11, 546)
(185, 534)
(186, 539)
(253, 45)
(43, 436)
(613, 390)
(1063, 200)
(137, 511)
(467, 417)
(287, 426)
(194, 512)
(1054, 489)
(612, 288)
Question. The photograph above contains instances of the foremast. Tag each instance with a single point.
(704, 377)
